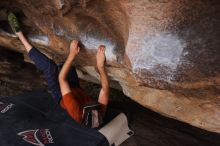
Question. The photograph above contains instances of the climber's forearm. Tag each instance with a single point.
(24, 41)
(104, 93)
(64, 85)
(66, 67)
(104, 79)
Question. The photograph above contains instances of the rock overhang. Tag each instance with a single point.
(166, 50)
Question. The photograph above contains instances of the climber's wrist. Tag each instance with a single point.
(71, 56)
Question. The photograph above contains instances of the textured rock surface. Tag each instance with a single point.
(163, 53)
(17, 76)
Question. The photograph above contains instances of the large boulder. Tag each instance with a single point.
(164, 54)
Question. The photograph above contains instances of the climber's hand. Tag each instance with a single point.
(74, 48)
(100, 57)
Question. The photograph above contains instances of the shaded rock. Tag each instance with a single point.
(163, 53)
(17, 76)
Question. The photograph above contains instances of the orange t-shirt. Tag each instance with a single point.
(73, 103)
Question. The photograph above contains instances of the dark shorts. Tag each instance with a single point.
(51, 71)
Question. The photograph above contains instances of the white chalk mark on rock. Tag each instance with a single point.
(161, 49)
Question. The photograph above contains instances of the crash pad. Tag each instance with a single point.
(33, 118)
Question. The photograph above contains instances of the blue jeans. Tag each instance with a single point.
(51, 71)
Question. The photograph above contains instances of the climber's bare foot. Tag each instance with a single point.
(100, 57)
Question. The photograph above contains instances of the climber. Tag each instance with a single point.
(64, 85)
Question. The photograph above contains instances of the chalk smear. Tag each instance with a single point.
(39, 39)
(93, 43)
(160, 49)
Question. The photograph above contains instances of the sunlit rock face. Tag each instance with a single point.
(164, 54)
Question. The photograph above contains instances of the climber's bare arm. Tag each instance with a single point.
(64, 85)
(104, 92)
(24, 41)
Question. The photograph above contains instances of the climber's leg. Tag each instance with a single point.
(15, 26)
(42, 62)
(50, 71)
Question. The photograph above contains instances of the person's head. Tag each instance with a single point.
(92, 116)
